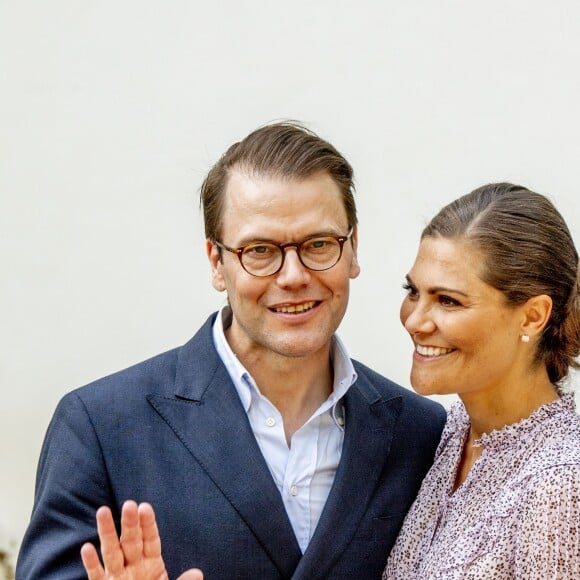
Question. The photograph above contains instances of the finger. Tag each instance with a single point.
(149, 531)
(193, 574)
(91, 562)
(131, 536)
(113, 559)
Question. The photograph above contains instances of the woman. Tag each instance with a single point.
(493, 310)
(492, 307)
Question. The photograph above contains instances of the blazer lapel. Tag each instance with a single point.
(209, 419)
(369, 426)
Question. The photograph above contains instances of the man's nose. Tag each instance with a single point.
(293, 271)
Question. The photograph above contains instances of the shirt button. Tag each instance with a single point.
(340, 421)
(294, 490)
(270, 421)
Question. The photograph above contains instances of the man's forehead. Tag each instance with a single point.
(282, 210)
(262, 191)
(247, 174)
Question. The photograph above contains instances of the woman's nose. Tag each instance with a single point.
(416, 317)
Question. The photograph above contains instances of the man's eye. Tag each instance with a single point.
(317, 244)
(260, 250)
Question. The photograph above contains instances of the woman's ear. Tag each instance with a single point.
(537, 312)
(215, 261)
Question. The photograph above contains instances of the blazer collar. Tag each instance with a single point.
(207, 416)
(197, 363)
(370, 423)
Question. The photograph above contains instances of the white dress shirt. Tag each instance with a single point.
(304, 473)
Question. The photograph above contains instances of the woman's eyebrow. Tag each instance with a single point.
(436, 289)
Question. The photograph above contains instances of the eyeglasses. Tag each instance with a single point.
(317, 253)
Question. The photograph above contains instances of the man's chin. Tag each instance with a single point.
(301, 346)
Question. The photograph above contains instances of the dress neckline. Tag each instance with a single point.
(499, 437)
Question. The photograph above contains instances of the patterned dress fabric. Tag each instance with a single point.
(517, 514)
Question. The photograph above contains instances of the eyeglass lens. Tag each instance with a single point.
(264, 259)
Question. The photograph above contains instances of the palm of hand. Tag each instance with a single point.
(136, 555)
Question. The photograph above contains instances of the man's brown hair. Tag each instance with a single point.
(284, 150)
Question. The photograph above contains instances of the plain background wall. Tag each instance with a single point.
(112, 112)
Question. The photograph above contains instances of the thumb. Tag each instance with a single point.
(193, 574)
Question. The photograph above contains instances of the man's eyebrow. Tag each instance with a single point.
(255, 239)
(437, 289)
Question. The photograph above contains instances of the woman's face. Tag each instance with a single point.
(466, 337)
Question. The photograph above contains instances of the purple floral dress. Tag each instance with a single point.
(517, 514)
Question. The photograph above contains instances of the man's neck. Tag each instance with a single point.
(296, 386)
(296, 392)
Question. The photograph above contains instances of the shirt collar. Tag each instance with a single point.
(344, 372)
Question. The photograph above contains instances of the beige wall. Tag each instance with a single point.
(111, 112)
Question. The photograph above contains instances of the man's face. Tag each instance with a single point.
(295, 312)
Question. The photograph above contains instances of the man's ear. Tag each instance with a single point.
(215, 262)
(354, 265)
(537, 312)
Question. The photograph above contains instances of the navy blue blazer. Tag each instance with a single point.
(172, 431)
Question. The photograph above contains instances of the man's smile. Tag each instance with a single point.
(295, 308)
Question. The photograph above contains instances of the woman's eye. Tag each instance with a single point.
(411, 290)
(448, 301)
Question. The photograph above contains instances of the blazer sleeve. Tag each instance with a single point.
(71, 484)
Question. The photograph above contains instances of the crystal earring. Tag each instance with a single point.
(525, 338)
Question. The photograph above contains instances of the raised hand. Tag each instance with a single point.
(136, 555)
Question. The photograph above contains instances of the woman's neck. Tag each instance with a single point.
(512, 404)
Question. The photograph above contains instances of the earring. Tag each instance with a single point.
(525, 338)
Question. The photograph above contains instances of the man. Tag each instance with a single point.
(265, 451)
